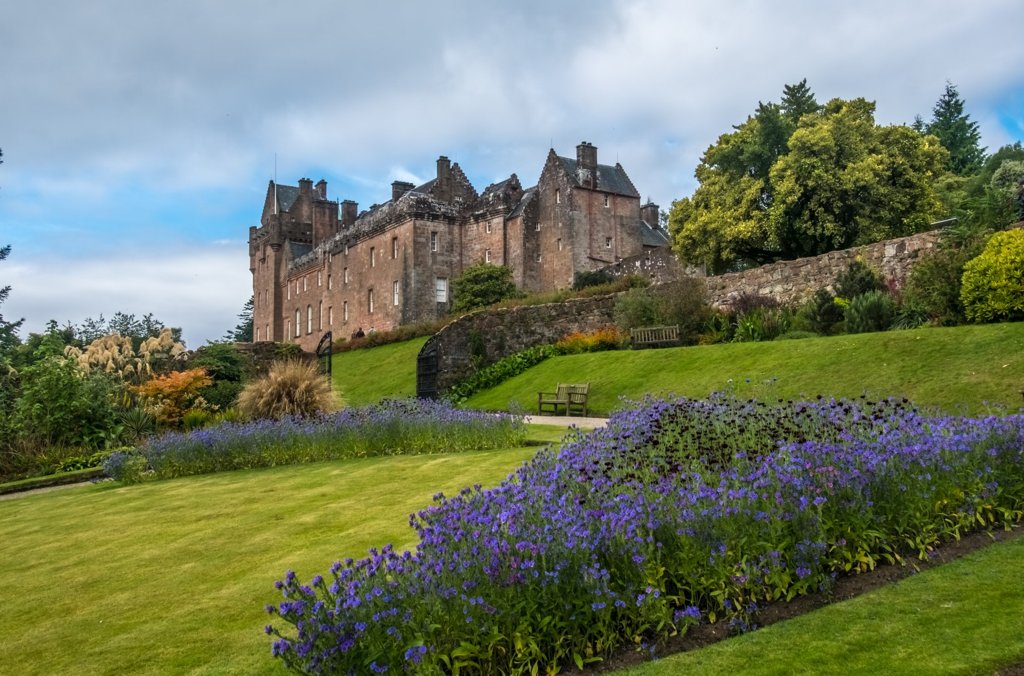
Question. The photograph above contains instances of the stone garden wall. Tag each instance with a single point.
(486, 336)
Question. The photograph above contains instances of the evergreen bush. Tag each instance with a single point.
(858, 278)
(871, 311)
(993, 283)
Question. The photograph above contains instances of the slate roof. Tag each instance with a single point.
(286, 196)
(528, 195)
(653, 235)
(298, 249)
(609, 179)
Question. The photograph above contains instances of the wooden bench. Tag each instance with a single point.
(572, 398)
(654, 336)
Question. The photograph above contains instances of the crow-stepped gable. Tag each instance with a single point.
(319, 265)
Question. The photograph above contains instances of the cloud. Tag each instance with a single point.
(201, 291)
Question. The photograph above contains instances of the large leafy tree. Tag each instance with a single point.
(956, 132)
(799, 179)
(482, 285)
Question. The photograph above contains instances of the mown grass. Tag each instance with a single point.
(963, 617)
(961, 369)
(366, 376)
(172, 576)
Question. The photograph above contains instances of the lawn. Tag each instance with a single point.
(960, 369)
(963, 617)
(368, 375)
(172, 576)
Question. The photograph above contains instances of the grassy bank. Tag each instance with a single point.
(966, 368)
(369, 375)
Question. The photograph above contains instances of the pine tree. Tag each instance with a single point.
(798, 100)
(957, 133)
(242, 333)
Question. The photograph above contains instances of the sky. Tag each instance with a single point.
(138, 138)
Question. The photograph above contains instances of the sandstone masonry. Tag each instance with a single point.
(319, 265)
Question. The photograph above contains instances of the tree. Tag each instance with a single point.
(482, 285)
(798, 100)
(833, 180)
(242, 333)
(956, 133)
(8, 330)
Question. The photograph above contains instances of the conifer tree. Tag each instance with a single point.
(957, 133)
(798, 100)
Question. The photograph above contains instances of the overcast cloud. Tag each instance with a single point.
(138, 137)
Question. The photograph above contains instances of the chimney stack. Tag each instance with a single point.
(321, 189)
(443, 186)
(399, 188)
(650, 213)
(306, 187)
(586, 164)
(349, 212)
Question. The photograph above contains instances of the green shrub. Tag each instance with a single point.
(858, 278)
(290, 388)
(872, 311)
(718, 328)
(137, 422)
(933, 284)
(196, 418)
(822, 313)
(993, 283)
(762, 323)
(587, 278)
(635, 308)
(482, 285)
(77, 462)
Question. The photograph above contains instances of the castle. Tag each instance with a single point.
(320, 266)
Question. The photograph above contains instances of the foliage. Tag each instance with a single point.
(290, 388)
(227, 367)
(169, 396)
(8, 330)
(871, 311)
(242, 333)
(676, 512)
(619, 285)
(399, 334)
(499, 372)
(993, 283)
(933, 284)
(80, 462)
(137, 423)
(482, 285)
(607, 338)
(59, 405)
(822, 313)
(957, 133)
(395, 427)
(761, 323)
(773, 189)
(858, 278)
(587, 278)
(682, 303)
(129, 360)
(123, 324)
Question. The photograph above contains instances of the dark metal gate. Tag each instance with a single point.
(426, 371)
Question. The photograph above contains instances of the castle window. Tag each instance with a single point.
(298, 323)
(441, 289)
(344, 311)
(320, 316)
(369, 300)
(330, 316)
(559, 243)
(319, 278)
(309, 319)
(433, 241)
(607, 201)
(258, 334)
(394, 292)
(305, 283)
(607, 242)
(487, 228)
(345, 273)
(558, 196)
(346, 249)
(538, 258)
(394, 247)
(487, 255)
(373, 257)
(537, 228)
(329, 287)
(289, 292)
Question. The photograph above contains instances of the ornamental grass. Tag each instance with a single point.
(678, 512)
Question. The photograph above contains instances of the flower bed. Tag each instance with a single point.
(678, 512)
(397, 427)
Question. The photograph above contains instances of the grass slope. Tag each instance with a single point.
(954, 369)
(172, 576)
(963, 617)
(369, 375)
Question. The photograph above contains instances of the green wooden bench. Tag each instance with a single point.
(571, 398)
(654, 336)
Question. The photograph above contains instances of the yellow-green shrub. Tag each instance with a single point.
(992, 288)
